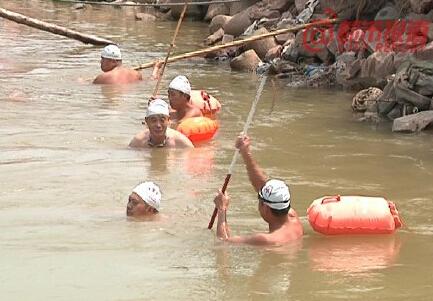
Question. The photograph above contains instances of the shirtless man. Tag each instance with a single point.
(158, 134)
(179, 94)
(273, 205)
(114, 72)
(144, 201)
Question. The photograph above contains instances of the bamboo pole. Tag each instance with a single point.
(59, 30)
(170, 48)
(149, 4)
(239, 42)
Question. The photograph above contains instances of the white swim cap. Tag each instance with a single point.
(150, 193)
(181, 83)
(275, 194)
(158, 107)
(111, 52)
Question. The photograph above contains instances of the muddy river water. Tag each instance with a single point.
(66, 172)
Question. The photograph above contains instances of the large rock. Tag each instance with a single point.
(421, 6)
(240, 6)
(145, 17)
(273, 53)
(413, 123)
(300, 5)
(389, 12)
(218, 22)
(247, 61)
(261, 47)
(425, 53)
(215, 37)
(237, 24)
(195, 11)
(215, 10)
(351, 9)
(280, 5)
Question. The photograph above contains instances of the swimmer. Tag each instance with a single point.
(158, 133)
(274, 206)
(144, 201)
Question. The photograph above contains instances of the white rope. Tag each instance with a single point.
(249, 118)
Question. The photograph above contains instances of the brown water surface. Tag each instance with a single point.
(66, 173)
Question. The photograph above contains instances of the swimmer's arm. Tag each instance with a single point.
(156, 73)
(255, 240)
(256, 175)
(223, 232)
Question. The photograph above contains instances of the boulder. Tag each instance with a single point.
(425, 53)
(389, 12)
(261, 47)
(194, 11)
(145, 17)
(218, 22)
(273, 53)
(237, 24)
(215, 10)
(421, 6)
(240, 6)
(215, 37)
(351, 9)
(247, 61)
(300, 5)
(413, 123)
(264, 13)
(280, 5)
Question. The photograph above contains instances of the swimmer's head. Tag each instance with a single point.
(111, 57)
(144, 200)
(275, 194)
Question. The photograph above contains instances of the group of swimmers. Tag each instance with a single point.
(274, 200)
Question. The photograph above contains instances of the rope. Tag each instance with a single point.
(236, 154)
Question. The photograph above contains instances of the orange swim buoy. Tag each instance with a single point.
(353, 215)
(209, 105)
(198, 128)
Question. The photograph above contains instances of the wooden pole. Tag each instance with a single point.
(170, 48)
(59, 30)
(239, 42)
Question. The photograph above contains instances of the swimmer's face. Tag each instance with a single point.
(157, 125)
(137, 207)
(108, 64)
(177, 99)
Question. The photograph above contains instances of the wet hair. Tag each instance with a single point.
(275, 212)
(280, 212)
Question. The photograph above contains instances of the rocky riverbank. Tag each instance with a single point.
(382, 48)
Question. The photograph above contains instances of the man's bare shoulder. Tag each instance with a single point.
(180, 139)
(104, 78)
(140, 140)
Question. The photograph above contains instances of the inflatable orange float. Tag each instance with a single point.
(198, 128)
(353, 215)
(208, 104)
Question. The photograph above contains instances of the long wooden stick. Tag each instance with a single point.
(170, 48)
(150, 4)
(236, 154)
(239, 42)
(59, 30)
